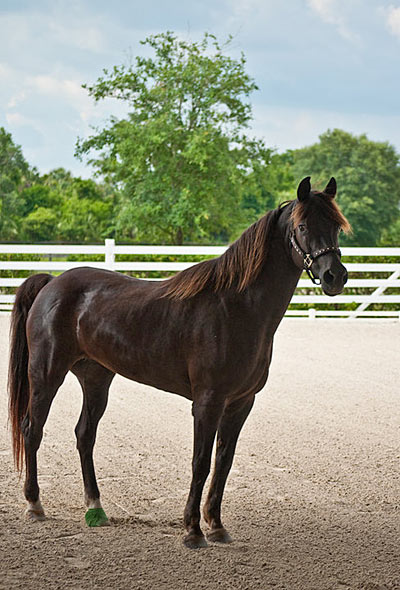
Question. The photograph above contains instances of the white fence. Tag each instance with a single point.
(53, 259)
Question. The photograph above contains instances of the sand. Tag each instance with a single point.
(312, 502)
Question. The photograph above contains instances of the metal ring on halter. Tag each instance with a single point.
(308, 257)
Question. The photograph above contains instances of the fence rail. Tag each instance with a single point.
(54, 258)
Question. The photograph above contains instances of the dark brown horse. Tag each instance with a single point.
(205, 334)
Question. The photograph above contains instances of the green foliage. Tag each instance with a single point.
(38, 196)
(391, 235)
(14, 174)
(52, 207)
(40, 225)
(368, 176)
(84, 219)
(63, 208)
(271, 184)
(181, 156)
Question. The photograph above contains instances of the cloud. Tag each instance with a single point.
(16, 119)
(60, 91)
(72, 93)
(82, 36)
(16, 99)
(393, 20)
(291, 128)
(53, 86)
(5, 72)
(32, 31)
(241, 9)
(331, 12)
(67, 91)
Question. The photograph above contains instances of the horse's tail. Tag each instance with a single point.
(18, 385)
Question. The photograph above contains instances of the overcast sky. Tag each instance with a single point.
(319, 64)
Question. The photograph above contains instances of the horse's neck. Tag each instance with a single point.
(275, 285)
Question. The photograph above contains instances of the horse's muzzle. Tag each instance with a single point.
(333, 279)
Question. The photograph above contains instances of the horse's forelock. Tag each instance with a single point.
(302, 210)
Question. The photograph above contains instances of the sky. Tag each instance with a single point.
(319, 64)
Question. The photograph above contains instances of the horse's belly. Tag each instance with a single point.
(141, 362)
(167, 378)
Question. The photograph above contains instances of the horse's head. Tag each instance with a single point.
(316, 221)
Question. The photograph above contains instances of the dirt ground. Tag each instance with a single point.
(312, 502)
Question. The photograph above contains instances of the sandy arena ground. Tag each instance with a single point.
(312, 501)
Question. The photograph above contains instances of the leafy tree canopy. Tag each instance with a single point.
(70, 209)
(14, 174)
(271, 185)
(181, 156)
(368, 176)
(52, 207)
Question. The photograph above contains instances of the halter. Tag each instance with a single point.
(309, 257)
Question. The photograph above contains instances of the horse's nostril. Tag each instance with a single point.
(328, 276)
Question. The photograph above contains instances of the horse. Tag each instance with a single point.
(205, 334)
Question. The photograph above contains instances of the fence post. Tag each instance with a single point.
(311, 313)
(110, 253)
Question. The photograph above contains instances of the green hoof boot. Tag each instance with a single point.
(96, 517)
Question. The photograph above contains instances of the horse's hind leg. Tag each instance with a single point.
(43, 386)
(229, 429)
(95, 381)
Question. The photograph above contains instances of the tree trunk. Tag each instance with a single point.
(179, 236)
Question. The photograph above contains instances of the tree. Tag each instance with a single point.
(86, 211)
(40, 225)
(59, 207)
(84, 220)
(368, 176)
(271, 185)
(181, 156)
(38, 195)
(14, 174)
(391, 235)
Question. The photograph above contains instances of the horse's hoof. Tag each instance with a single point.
(35, 515)
(195, 541)
(96, 517)
(219, 536)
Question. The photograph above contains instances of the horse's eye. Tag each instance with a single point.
(302, 227)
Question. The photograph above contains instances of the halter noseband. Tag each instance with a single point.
(309, 257)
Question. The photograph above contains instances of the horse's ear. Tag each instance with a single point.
(304, 189)
(330, 188)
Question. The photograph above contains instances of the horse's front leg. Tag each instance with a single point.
(207, 413)
(232, 420)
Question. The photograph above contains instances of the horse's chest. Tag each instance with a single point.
(234, 365)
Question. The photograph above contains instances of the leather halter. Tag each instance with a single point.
(309, 257)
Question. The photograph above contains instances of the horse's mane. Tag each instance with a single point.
(237, 267)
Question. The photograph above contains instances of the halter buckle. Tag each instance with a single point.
(308, 260)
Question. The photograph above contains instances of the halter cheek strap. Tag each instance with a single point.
(309, 257)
